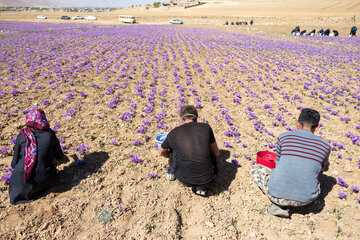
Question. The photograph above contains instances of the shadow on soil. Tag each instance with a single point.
(225, 175)
(326, 185)
(71, 175)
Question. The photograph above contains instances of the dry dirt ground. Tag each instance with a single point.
(110, 197)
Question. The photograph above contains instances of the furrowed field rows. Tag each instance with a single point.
(112, 89)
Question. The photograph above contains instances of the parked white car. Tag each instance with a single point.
(77, 17)
(41, 17)
(90, 18)
(176, 21)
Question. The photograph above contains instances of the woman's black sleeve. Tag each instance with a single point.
(17, 149)
(56, 147)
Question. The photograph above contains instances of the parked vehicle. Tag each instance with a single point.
(90, 18)
(176, 21)
(41, 17)
(127, 19)
(65, 17)
(77, 17)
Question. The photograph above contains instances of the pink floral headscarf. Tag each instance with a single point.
(35, 118)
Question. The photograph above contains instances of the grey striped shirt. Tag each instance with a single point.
(300, 156)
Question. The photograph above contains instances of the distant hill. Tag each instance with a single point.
(62, 3)
(26, 3)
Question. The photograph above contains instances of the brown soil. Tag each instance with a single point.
(86, 205)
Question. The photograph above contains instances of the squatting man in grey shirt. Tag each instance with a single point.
(300, 158)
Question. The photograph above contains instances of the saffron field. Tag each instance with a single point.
(108, 91)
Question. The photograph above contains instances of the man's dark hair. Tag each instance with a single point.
(309, 117)
(188, 112)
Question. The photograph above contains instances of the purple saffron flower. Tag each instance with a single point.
(275, 124)
(7, 174)
(113, 142)
(234, 161)
(82, 148)
(227, 144)
(137, 142)
(153, 175)
(266, 106)
(13, 140)
(2, 150)
(342, 182)
(272, 145)
(80, 162)
(121, 208)
(342, 195)
(134, 158)
(46, 102)
(355, 189)
(63, 146)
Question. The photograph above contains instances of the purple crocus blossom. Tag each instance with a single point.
(342, 195)
(80, 161)
(137, 142)
(82, 148)
(234, 161)
(7, 174)
(355, 189)
(134, 158)
(342, 182)
(4, 149)
(153, 175)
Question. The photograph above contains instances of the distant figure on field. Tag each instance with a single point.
(245, 23)
(226, 23)
(296, 31)
(251, 21)
(321, 32)
(300, 158)
(232, 23)
(327, 32)
(35, 150)
(303, 33)
(334, 33)
(192, 152)
(312, 33)
(353, 31)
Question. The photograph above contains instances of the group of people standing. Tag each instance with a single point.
(193, 160)
(240, 22)
(296, 32)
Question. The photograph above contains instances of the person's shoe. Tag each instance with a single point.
(169, 176)
(200, 190)
(276, 210)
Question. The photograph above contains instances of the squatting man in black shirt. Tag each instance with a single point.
(192, 152)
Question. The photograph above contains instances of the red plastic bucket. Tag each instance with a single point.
(266, 158)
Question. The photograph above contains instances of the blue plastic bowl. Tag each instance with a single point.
(160, 139)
